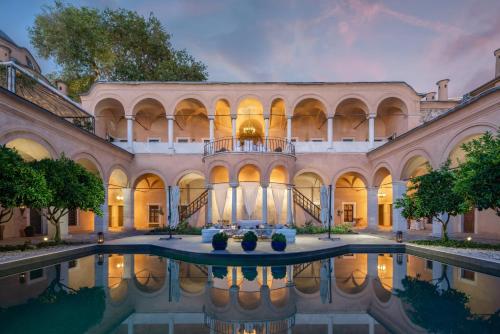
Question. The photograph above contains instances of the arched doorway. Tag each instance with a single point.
(222, 119)
(277, 119)
(222, 194)
(118, 198)
(250, 192)
(383, 185)
(307, 184)
(79, 220)
(149, 202)
(278, 191)
(191, 186)
(350, 205)
(392, 118)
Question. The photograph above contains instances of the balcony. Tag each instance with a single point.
(238, 145)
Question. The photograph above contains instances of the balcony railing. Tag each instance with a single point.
(35, 88)
(237, 145)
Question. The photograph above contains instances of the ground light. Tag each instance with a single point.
(399, 236)
(100, 238)
(45, 239)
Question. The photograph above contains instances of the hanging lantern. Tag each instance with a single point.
(100, 259)
(100, 238)
(399, 236)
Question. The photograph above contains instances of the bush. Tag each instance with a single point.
(45, 244)
(250, 237)
(309, 228)
(220, 237)
(342, 229)
(182, 228)
(457, 244)
(278, 237)
(278, 272)
(219, 272)
(249, 273)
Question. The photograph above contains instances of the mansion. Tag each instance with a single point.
(243, 151)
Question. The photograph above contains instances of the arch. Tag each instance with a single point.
(307, 281)
(379, 175)
(309, 184)
(110, 118)
(310, 96)
(278, 174)
(149, 201)
(219, 174)
(250, 118)
(192, 279)
(277, 118)
(310, 120)
(352, 97)
(222, 118)
(381, 166)
(150, 120)
(249, 173)
(196, 97)
(350, 199)
(149, 273)
(191, 185)
(361, 173)
(90, 163)
(322, 176)
(392, 117)
(117, 183)
(382, 181)
(191, 120)
(137, 176)
(119, 174)
(351, 273)
(415, 165)
(350, 121)
(29, 145)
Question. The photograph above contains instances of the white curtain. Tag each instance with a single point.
(278, 191)
(324, 281)
(220, 190)
(324, 205)
(174, 206)
(175, 291)
(250, 191)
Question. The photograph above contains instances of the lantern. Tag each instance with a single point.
(399, 236)
(100, 259)
(100, 238)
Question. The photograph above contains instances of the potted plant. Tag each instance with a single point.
(278, 272)
(249, 242)
(249, 273)
(219, 241)
(219, 272)
(29, 231)
(278, 242)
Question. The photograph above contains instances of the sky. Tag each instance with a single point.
(419, 42)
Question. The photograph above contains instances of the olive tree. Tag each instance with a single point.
(72, 187)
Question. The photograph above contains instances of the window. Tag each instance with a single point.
(154, 214)
(72, 217)
(154, 140)
(347, 139)
(428, 264)
(468, 275)
(183, 139)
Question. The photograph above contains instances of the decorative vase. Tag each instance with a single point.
(278, 246)
(248, 245)
(219, 245)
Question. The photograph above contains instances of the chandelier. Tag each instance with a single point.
(249, 130)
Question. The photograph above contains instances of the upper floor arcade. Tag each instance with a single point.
(156, 117)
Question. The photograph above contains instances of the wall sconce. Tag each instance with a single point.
(339, 212)
(100, 238)
(399, 236)
(381, 194)
(119, 198)
(22, 209)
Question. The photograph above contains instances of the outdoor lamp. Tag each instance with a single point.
(22, 278)
(100, 259)
(100, 238)
(399, 259)
(399, 236)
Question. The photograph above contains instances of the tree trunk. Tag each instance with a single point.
(444, 232)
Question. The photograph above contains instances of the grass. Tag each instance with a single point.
(45, 244)
(457, 244)
(336, 229)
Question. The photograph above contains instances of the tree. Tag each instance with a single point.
(72, 187)
(478, 177)
(433, 195)
(20, 185)
(91, 44)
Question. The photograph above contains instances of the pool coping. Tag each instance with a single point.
(250, 259)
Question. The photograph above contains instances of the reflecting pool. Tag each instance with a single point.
(353, 293)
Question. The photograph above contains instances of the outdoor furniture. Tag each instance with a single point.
(249, 223)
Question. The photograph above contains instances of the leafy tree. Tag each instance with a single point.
(72, 187)
(433, 195)
(478, 177)
(20, 185)
(91, 44)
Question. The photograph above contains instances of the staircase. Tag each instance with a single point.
(187, 211)
(307, 205)
(298, 268)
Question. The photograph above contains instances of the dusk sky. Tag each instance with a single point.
(418, 42)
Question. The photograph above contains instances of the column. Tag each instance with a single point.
(101, 268)
(373, 265)
(266, 127)
(101, 223)
(398, 271)
(170, 120)
(264, 203)
(167, 206)
(211, 127)
(371, 129)
(128, 266)
(128, 209)
(208, 219)
(234, 276)
(289, 129)
(372, 195)
(330, 132)
(264, 276)
(130, 130)
(398, 221)
(234, 203)
(64, 273)
(289, 206)
(289, 274)
(11, 78)
(233, 131)
(442, 275)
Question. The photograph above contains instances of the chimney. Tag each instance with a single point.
(431, 96)
(497, 64)
(4, 53)
(62, 87)
(443, 89)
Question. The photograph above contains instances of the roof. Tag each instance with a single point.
(7, 38)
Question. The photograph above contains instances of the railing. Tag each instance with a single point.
(35, 88)
(267, 145)
(187, 211)
(306, 204)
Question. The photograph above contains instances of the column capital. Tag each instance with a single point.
(170, 117)
(264, 185)
(371, 115)
(234, 116)
(131, 117)
(211, 117)
(209, 186)
(234, 184)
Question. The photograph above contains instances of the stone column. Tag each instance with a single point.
(128, 266)
(101, 268)
(101, 223)
(211, 127)
(234, 203)
(130, 131)
(233, 131)
(264, 276)
(330, 132)
(289, 274)
(266, 127)
(289, 206)
(234, 276)
(372, 195)
(289, 129)
(264, 203)
(398, 221)
(128, 209)
(170, 120)
(398, 271)
(208, 219)
(373, 265)
(371, 129)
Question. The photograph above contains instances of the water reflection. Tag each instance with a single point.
(361, 293)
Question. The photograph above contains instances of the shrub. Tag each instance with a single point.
(220, 237)
(219, 272)
(278, 237)
(342, 229)
(250, 237)
(278, 272)
(457, 244)
(249, 273)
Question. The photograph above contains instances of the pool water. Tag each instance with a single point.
(353, 293)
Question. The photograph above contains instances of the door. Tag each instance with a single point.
(72, 217)
(120, 215)
(110, 216)
(36, 221)
(390, 214)
(381, 214)
(348, 212)
(469, 221)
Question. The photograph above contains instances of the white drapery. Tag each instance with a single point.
(250, 191)
(324, 205)
(324, 281)
(174, 288)
(220, 190)
(278, 191)
(174, 206)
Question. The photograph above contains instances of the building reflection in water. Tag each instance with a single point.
(349, 293)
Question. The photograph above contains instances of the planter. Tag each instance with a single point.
(219, 245)
(278, 246)
(278, 272)
(248, 245)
